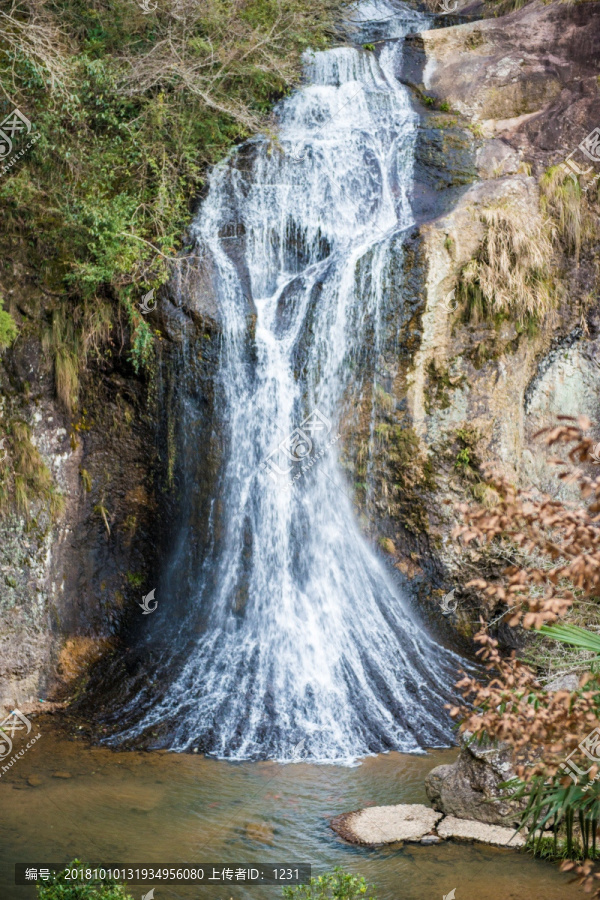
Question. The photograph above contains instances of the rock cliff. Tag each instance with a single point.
(502, 101)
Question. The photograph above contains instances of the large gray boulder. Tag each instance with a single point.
(470, 787)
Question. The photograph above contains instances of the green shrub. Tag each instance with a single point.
(130, 110)
(62, 889)
(336, 885)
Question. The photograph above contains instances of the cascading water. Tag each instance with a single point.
(304, 636)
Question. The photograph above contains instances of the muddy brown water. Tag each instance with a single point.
(64, 799)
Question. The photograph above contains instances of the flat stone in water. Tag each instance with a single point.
(34, 781)
(61, 775)
(470, 830)
(386, 824)
(414, 822)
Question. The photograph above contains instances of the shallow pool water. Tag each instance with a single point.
(64, 798)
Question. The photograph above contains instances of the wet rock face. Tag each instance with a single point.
(520, 72)
(67, 577)
(469, 788)
(70, 584)
(500, 100)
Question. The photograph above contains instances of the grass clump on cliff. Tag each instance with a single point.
(131, 109)
(406, 478)
(27, 479)
(509, 275)
(563, 198)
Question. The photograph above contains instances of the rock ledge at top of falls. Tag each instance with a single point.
(414, 822)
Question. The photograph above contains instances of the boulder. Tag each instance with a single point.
(568, 682)
(470, 787)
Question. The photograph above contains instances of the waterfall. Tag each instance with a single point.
(295, 631)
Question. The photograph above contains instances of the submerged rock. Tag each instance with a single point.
(386, 824)
(259, 832)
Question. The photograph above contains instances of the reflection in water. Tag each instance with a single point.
(172, 808)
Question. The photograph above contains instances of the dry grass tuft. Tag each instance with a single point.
(61, 341)
(564, 200)
(70, 339)
(510, 273)
(31, 478)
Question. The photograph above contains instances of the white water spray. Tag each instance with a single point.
(305, 636)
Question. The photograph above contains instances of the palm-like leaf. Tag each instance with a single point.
(573, 634)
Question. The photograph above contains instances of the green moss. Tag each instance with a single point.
(442, 122)
(86, 480)
(8, 327)
(474, 39)
(475, 129)
(135, 579)
(449, 244)
(27, 480)
(439, 387)
(463, 459)
(409, 476)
